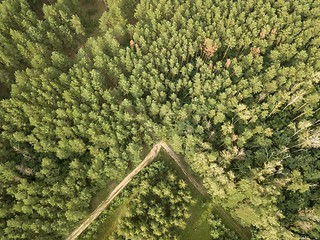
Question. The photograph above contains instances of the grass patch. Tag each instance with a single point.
(106, 228)
(231, 223)
(102, 194)
(197, 225)
(225, 216)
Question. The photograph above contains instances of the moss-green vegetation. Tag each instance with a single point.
(110, 224)
(102, 194)
(198, 223)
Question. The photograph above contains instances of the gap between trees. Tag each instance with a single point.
(147, 160)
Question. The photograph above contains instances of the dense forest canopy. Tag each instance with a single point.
(233, 86)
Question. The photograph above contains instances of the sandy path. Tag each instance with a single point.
(182, 165)
(152, 154)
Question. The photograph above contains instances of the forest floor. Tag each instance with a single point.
(4, 91)
(225, 216)
(94, 11)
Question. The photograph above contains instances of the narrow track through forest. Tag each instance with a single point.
(147, 160)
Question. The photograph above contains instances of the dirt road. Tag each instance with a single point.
(152, 154)
(182, 165)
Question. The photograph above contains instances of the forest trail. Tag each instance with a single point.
(152, 154)
(183, 166)
(148, 159)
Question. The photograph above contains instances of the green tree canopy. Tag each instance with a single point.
(233, 85)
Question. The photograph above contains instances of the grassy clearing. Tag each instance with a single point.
(111, 222)
(102, 194)
(225, 216)
(197, 225)
(231, 223)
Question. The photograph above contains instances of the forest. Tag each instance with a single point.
(87, 87)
